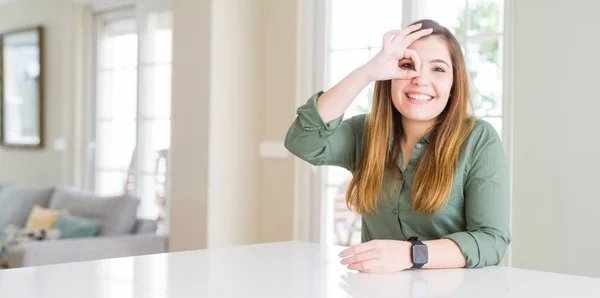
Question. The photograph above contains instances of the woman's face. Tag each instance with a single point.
(424, 97)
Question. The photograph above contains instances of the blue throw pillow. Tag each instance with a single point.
(71, 226)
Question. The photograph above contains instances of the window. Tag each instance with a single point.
(355, 35)
(132, 107)
(478, 25)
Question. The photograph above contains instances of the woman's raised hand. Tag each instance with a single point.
(384, 66)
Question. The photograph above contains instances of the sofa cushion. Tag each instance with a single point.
(117, 215)
(42, 218)
(71, 226)
(145, 226)
(17, 200)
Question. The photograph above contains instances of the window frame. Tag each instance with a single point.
(99, 17)
(94, 13)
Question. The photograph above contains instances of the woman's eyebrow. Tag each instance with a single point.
(439, 61)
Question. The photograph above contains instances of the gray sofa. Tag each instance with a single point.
(121, 233)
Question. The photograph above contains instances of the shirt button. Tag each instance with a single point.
(419, 145)
(394, 211)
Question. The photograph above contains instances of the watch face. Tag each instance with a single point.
(420, 254)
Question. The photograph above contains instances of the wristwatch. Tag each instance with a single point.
(419, 252)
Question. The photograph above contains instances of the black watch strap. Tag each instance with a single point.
(416, 241)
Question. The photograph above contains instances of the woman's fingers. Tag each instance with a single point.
(409, 39)
(365, 265)
(363, 256)
(406, 73)
(412, 55)
(395, 47)
(387, 38)
(394, 35)
(406, 31)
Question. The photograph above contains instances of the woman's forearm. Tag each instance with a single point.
(333, 103)
(444, 254)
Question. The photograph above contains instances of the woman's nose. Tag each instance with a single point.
(421, 80)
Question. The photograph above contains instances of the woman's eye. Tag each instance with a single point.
(407, 65)
(439, 69)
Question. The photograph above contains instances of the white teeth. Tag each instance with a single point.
(420, 97)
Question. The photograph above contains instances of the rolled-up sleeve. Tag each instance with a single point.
(320, 143)
(487, 203)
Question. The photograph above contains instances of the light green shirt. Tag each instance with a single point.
(477, 214)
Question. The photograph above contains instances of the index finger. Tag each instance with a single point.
(414, 36)
(387, 38)
(404, 32)
(356, 249)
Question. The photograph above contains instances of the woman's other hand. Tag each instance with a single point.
(378, 256)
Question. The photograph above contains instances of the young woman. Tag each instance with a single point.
(429, 180)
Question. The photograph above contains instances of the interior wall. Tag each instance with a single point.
(556, 150)
(188, 220)
(251, 100)
(276, 176)
(234, 121)
(46, 166)
(216, 112)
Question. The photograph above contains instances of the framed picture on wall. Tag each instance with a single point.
(21, 88)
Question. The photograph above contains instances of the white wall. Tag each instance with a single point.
(190, 125)
(557, 144)
(281, 36)
(252, 98)
(236, 70)
(45, 166)
(216, 114)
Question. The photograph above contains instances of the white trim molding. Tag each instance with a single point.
(309, 76)
(103, 5)
(508, 98)
(100, 5)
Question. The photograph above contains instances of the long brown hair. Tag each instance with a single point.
(383, 134)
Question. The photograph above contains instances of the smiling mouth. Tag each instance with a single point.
(419, 97)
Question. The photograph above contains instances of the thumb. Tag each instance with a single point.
(407, 74)
(413, 73)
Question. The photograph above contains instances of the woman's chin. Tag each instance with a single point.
(417, 117)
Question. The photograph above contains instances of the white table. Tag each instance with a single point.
(289, 269)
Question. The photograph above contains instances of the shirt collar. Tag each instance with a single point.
(425, 139)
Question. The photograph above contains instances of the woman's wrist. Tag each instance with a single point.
(366, 74)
